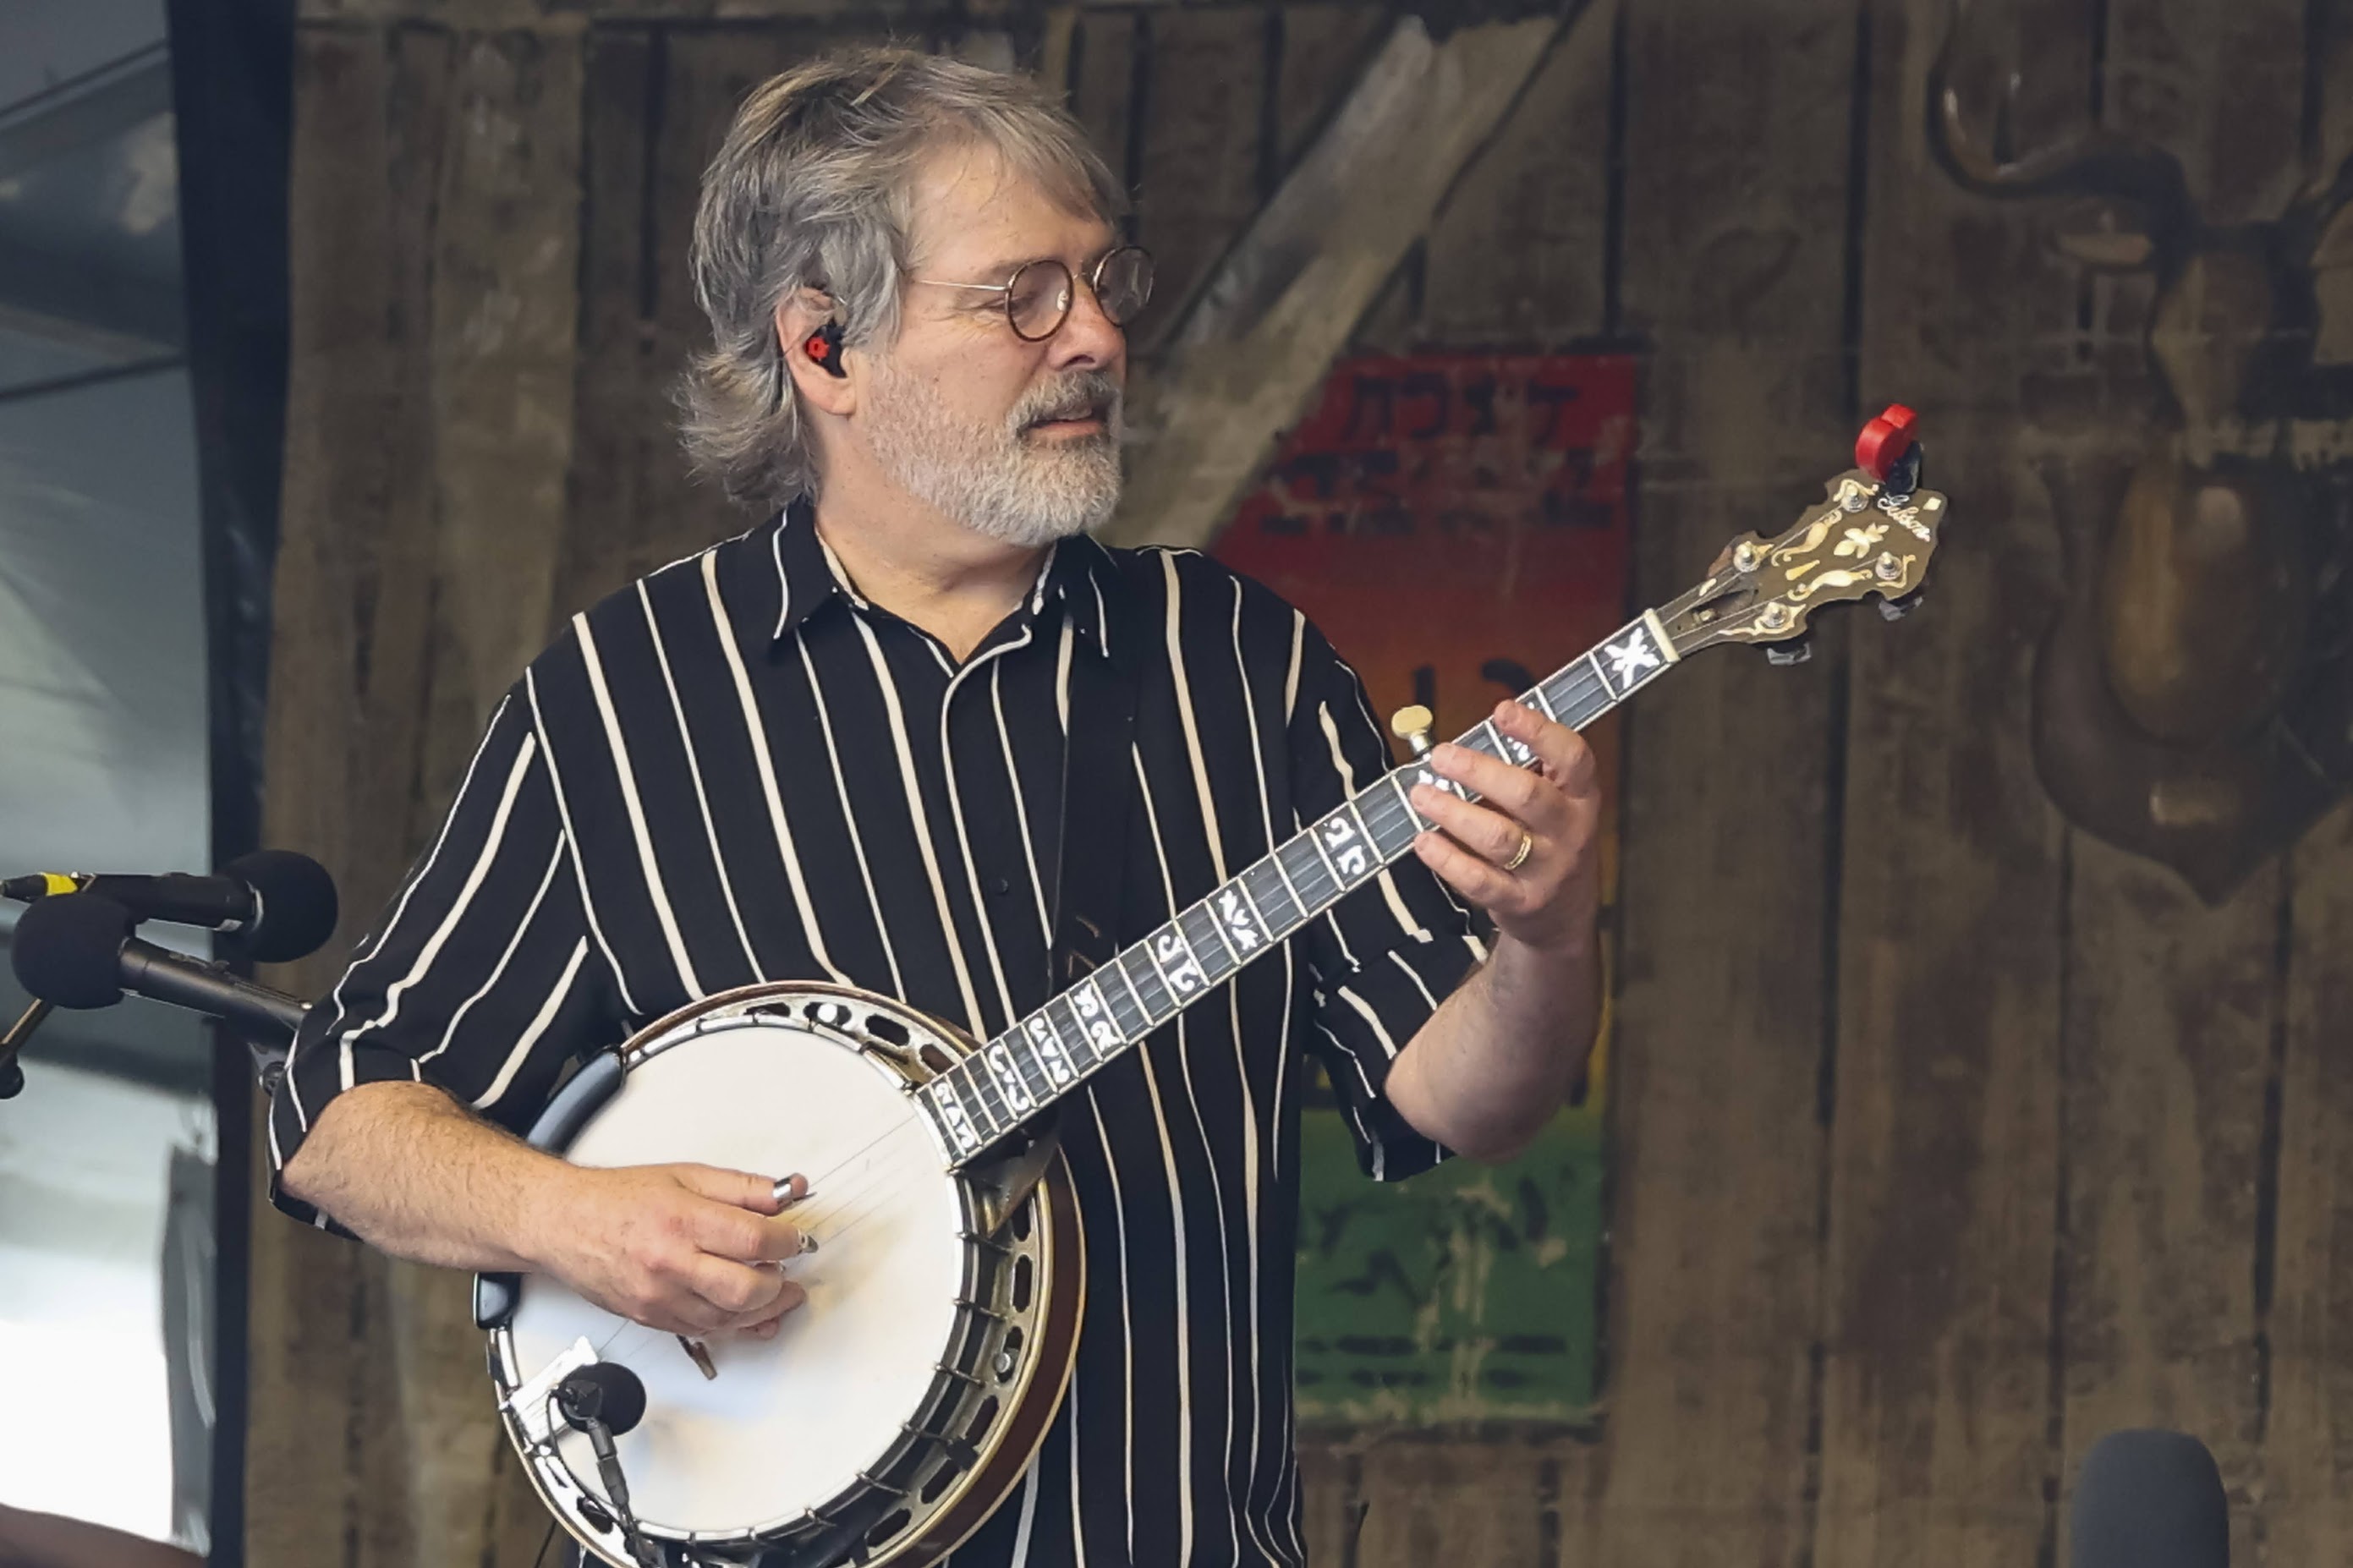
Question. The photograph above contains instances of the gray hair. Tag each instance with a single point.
(811, 190)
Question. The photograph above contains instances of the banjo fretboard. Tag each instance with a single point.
(1045, 1055)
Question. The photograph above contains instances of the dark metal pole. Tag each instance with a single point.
(233, 94)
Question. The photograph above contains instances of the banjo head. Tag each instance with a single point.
(913, 1322)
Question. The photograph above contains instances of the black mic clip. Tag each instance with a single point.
(598, 1401)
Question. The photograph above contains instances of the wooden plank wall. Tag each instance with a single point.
(1946, 1137)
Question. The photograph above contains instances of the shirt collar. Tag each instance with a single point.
(1081, 573)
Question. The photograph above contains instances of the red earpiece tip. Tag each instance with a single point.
(817, 347)
(1885, 441)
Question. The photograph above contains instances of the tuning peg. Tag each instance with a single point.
(1797, 650)
(1885, 441)
(1412, 725)
(1896, 609)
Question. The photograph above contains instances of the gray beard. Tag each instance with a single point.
(996, 482)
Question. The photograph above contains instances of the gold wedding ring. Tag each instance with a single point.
(1520, 855)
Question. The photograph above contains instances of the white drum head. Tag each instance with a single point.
(789, 1424)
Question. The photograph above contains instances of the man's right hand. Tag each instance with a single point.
(688, 1249)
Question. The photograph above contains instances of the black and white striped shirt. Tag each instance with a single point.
(738, 770)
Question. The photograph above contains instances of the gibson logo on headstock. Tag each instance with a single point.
(1762, 591)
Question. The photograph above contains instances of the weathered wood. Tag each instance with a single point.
(899, 17)
(1101, 79)
(1472, 1504)
(505, 313)
(1321, 49)
(1329, 1497)
(2307, 1460)
(2171, 1005)
(1244, 361)
(1721, 1022)
(658, 106)
(902, 16)
(618, 404)
(2305, 1296)
(1519, 251)
(506, 308)
(1197, 135)
(327, 1462)
(2328, 76)
(2222, 88)
(2170, 1019)
(1315, 40)
(1946, 1140)
(430, 429)
(1475, 1501)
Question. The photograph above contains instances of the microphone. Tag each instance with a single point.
(2149, 1498)
(76, 949)
(281, 906)
(603, 1399)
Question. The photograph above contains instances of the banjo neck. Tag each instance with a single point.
(1045, 1055)
(1871, 538)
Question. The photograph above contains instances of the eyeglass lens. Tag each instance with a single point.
(1041, 295)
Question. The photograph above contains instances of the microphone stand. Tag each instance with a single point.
(12, 1077)
(265, 1020)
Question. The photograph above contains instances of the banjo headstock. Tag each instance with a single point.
(1873, 537)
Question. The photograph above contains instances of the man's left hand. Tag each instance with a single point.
(1551, 811)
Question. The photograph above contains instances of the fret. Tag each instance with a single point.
(1544, 700)
(1392, 822)
(1593, 662)
(1150, 991)
(1323, 858)
(1046, 1039)
(1207, 940)
(1314, 837)
(1011, 1082)
(1512, 752)
(1637, 653)
(983, 1091)
(1243, 929)
(1130, 1028)
(1423, 773)
(978, 1089)
(1180, 970)
(956, 1121)
(1305, 867)
(1300, 911)
(1098, 1035)
(1575, 708)
(1401, 785)
(1064, 1023)
(1342, 838)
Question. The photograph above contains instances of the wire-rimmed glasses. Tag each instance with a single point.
(1039, 295)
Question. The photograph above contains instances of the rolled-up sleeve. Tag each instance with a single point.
(483, 977)
(1383, 958)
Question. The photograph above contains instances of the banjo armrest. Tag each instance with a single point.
(1004, 1184)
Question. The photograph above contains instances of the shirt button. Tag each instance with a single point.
(999, 886)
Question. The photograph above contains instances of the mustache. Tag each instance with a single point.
(1087, 394)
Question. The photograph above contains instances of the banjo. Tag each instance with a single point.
(896, 1408)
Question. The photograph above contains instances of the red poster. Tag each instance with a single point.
(1456, 523)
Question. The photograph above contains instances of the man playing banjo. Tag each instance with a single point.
(833, 749)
